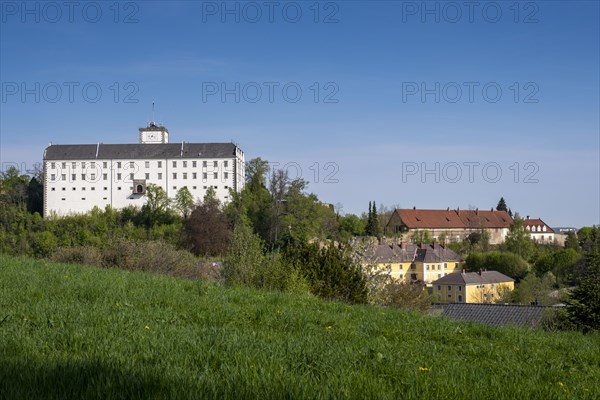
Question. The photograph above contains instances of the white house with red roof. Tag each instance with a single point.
(539, 230)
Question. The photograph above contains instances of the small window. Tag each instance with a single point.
(83, 165)
(118, 164)
(93, 164)
(83, 177)
(455, 265)
(204, 176)
(174, 175)
(439, 267)
(52, 177)
(185, 175)
(460, 298)
(439, 287)
(119, 177)
(131, 164)
(53, 189)
(63, 189)
(119, 188)
(104, 164)
(460, 288)
(204, 187)
(73, 177)
(184, 164)
(93, 189)
(216, 175)
(105, 188)
(204, 163)
(53, 165)
(215, 164)
(194, 175)
(105, 198)
(64, 165)
(147, 175)
(130, 176)
(83, 188)
(449, 296)
(104, 177)
(74, 165)
(74, 189)
(216, 187)
(225, 163)
(175, 164)
(147, 164)
(174, 187)
(194, 187)
(83, 198)
(226, 175)
(445, 265)
(427, 267)
(160, 164)
(193, 164)
(63, 199)
(93, 177)
(449, 288)
(159, 175)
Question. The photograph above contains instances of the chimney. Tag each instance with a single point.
(480, 272)
(414, 208)
(492, 209)
(403, 245)
(477, 211)
(528, 217)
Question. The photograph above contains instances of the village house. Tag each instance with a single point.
(449, 225)
(539, 230)
(471, 287)
(414, 263)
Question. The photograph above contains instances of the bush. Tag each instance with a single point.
(77, 255)
(330, 271)
(407, 296)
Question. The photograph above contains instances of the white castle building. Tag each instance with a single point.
(79, 177)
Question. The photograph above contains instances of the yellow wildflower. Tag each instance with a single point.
(146, 327)
(425, 369)
(328, 328)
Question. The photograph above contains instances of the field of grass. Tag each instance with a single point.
(77, 332)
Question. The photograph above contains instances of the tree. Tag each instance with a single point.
(207, 230)
(35, 196)
(583, 305)
(184, 201)
(13, 187)
(535, 289)
(571, 241)
(506, 263)
(518, 240)
(501, 205)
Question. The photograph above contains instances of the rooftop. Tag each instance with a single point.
(415, 218)
(139, 151)
(473, 278)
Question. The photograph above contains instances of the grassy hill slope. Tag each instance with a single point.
(79, 332)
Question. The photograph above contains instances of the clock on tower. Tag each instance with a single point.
(154, 133)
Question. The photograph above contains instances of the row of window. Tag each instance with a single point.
(459, 288)
(132, 164)
(131, 188)
(184, 175)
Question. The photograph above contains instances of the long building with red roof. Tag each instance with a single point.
(453, 225)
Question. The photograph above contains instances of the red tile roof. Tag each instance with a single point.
(538, 222)
(452, 219)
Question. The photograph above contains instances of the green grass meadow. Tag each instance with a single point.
(77, 332)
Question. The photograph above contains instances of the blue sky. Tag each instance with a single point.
(433, 105)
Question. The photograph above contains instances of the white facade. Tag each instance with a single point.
(78, 178)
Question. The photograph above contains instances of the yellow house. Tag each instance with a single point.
(471, 287)
(414, 263)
